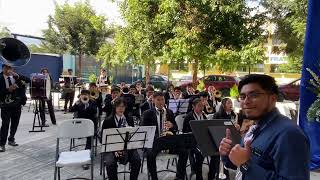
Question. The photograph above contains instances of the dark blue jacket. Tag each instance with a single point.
(280, 151)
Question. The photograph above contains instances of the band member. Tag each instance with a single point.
(148, 104)
(204, 99)
(177, 93)
(275, 148)
(226, 110)
(139, 89)
(214, 98)
(42, 102)
(110, 98)
(118, 119)
(196, 158)
(130, 100)
(103, 79)
(86, 108)
(189, 91)
(96, 96)
(169, 93)
(12, 98)
(164, 121)
(69, 90)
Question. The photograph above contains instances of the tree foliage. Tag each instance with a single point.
(290, 18)
(4, 32)
(184, 30)
(76, 29)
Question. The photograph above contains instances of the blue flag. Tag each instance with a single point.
(311, 59)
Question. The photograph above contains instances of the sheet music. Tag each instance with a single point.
(113, 139)
(179, 104)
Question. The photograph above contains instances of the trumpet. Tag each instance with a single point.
(94, 94)
(84, 99)
(217, 93)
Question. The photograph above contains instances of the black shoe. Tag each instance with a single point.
(85, 167)
(12, 143)
(2, 148)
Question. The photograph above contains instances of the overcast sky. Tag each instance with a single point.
(29, 17)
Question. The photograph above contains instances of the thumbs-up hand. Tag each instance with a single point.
(226, 144)
(239, 155)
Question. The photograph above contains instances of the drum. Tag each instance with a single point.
(40, 86)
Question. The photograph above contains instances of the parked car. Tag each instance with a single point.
(158, 81)
(184, 80)
(290, 91)
(220, 82)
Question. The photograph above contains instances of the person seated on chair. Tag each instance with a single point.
(130, 100)
(196, 158)
(164, 121)
(86, 108)
(96, 96)
(225, 110)
(119, 120)
(148, 104)
(109, 100)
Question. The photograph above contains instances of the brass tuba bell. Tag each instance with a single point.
(217, 94)
(14, 52)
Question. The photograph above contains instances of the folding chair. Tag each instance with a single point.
(179, 120)
(74, 128)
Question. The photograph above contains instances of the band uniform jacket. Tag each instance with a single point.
(149, 118)
(186, 123)
(17, 97)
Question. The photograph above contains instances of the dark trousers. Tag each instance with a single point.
(42, 106)
(9, 115)
(163, 143)
(196, 161)
(69, 96)
(214, 168)
(112, 166)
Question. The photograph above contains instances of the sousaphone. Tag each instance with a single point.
(14, 52)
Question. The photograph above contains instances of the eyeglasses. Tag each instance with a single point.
(251, 95)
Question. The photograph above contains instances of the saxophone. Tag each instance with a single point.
(165, 130)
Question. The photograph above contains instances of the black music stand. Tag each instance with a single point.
(208, 134)
(127, 138)
(36, 113)
(179, 106)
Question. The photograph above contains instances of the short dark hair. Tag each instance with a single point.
(203, 94)
(149, 89)
(118, 102)
(125, 89)
(115, 89)
(196, 101)
(70, 70)
(266, 82)
(92, 84)
(85, 92)
(177, 88)
(132, 86)
(158, 93)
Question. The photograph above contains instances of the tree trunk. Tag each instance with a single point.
(148, 73)
(249, 69)
(79, 66)
(195, 73)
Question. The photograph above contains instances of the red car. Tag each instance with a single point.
(220, 82)
(290, 91)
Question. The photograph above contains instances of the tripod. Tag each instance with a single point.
(36, 113)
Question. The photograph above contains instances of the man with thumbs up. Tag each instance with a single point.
(274, 148)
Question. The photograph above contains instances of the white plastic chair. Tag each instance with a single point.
(179, 120)
(74, 128)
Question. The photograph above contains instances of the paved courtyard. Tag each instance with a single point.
(33, 159)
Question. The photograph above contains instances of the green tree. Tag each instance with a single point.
(290, 18)
(4, 32)
(252, 54)
(76, 29)
(227, 60)
(199, 28)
